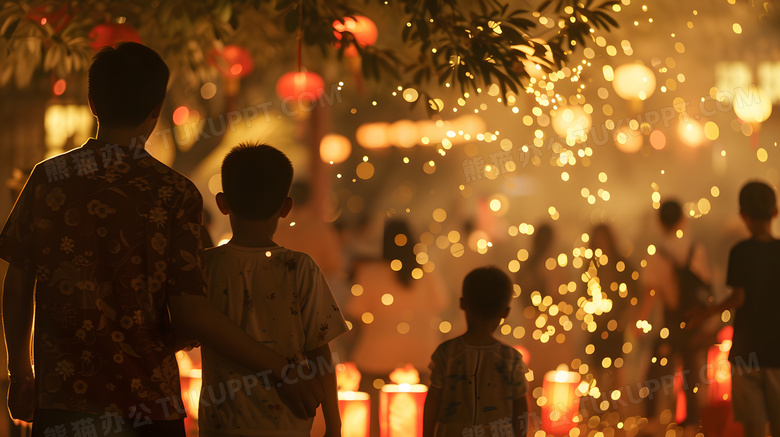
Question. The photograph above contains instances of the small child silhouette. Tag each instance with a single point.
(478, 385)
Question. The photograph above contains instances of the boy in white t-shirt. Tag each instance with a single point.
(478, 385)
(277, 295)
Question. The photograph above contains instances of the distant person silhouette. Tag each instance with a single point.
(676, 277)
(754, 278)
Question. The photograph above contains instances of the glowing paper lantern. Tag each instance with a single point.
(717, 416)
(719, 367)
(300, 86)
(401, 404)
(335, 148)
(373, 135)
(753, 107)
(572, 123)
(559, 387)
(634, 82)
(362, 29)
(110, 34)
(191, 377)
(681, 405)
(355, 409)
(355, 406)
(628, 140)
(232, 61)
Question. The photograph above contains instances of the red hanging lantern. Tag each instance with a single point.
(233, 61)
(362, 29)
(110, 34)
(304, 85)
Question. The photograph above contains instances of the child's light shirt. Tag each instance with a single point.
(280, 298)
(479, 385)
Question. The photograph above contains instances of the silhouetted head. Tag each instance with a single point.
(487, 292)
(256, 180)
(757, 201)
(126, 84)
(397, 244)
(670, 214)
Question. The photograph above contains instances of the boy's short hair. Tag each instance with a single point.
(256, 180)
(757, 200)
(670, 213)
(487, 291)
(126, 82)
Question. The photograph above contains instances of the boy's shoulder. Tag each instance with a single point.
(749, 245)
(455, 345)
(280, 256)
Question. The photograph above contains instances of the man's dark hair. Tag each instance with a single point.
(256, 180)
(126, 82)
(487, 291)
(757, 201)
(670, 214)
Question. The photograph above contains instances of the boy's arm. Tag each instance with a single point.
(520, 416)
(431, 414)
(193, 316)
(734, 301)
(330, 403)
(18, 292)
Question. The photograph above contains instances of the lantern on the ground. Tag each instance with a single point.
(363, 30)
(719, 367)
(559, 388)
(300, 86)
(110, 34)
(717, 416)
(354, 406)
(401, 404)
(335, 148)
(191, 376)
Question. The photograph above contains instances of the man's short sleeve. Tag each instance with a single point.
(322, 319)
(438, 367)
(16, 238)
(185, 255)
(736, 269)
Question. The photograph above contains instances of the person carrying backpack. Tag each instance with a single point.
(677, 275)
